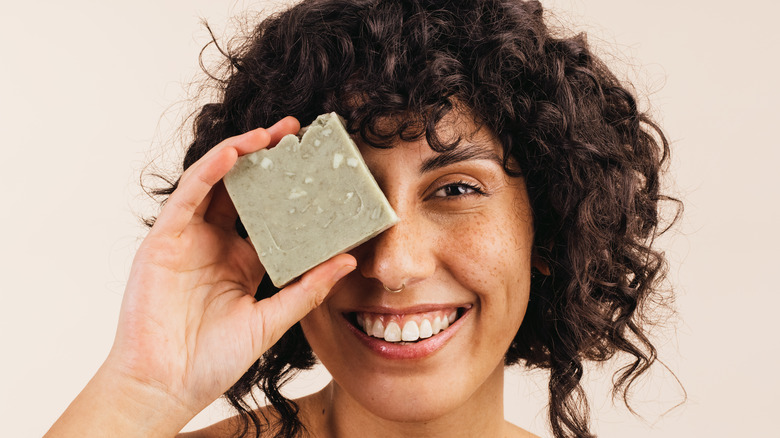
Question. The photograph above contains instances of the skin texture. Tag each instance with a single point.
(453, 245)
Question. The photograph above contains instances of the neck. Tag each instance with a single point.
(334, 413)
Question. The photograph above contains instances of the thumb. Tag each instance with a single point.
(277, 313)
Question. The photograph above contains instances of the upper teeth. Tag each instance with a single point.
(411, 330)
(392, 332)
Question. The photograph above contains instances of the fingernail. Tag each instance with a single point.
(342, 271)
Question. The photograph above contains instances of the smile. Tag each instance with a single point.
(405, 328)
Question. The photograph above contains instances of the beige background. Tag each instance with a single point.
(88, 96)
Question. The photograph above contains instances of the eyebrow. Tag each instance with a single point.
(462, 152)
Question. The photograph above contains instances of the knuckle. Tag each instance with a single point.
(313, 292)
(182, 203)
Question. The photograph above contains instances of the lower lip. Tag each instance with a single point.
(410, 351)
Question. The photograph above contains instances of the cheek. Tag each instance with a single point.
(489, 254)
(491, 258)
(315, 325)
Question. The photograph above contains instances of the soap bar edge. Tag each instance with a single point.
(256, 158)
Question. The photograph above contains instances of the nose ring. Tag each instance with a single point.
(395, 291)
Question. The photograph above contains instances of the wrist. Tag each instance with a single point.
(148, 405)
(115, 404)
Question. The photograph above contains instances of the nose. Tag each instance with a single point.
(399, 257)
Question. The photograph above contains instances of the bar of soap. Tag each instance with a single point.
(304, 201)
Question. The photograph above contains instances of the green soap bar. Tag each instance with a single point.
(304, 201)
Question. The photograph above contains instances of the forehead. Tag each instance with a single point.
(467, 142)
(457, 136)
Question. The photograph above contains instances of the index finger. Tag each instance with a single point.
(190, 199)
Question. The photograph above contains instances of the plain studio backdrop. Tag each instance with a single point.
(92, 92)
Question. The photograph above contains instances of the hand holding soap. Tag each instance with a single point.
(304, 201)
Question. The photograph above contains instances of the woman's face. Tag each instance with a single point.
(462, 251)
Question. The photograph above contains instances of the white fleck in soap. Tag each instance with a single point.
(301, 206)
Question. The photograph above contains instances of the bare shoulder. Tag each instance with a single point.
(266, 414)
(518, 432)
(229, 426)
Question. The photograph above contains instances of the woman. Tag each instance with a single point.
(527, 183)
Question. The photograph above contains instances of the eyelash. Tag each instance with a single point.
(474, 190)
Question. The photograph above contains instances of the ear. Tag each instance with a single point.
(540, 265)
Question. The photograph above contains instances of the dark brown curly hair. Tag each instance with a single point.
(590, 159)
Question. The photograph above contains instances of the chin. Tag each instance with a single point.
(414, 397)
(461, 372)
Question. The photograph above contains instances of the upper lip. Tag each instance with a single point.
(406, 310)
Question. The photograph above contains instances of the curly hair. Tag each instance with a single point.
(590, 158)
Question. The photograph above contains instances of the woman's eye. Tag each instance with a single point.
(457, 189)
